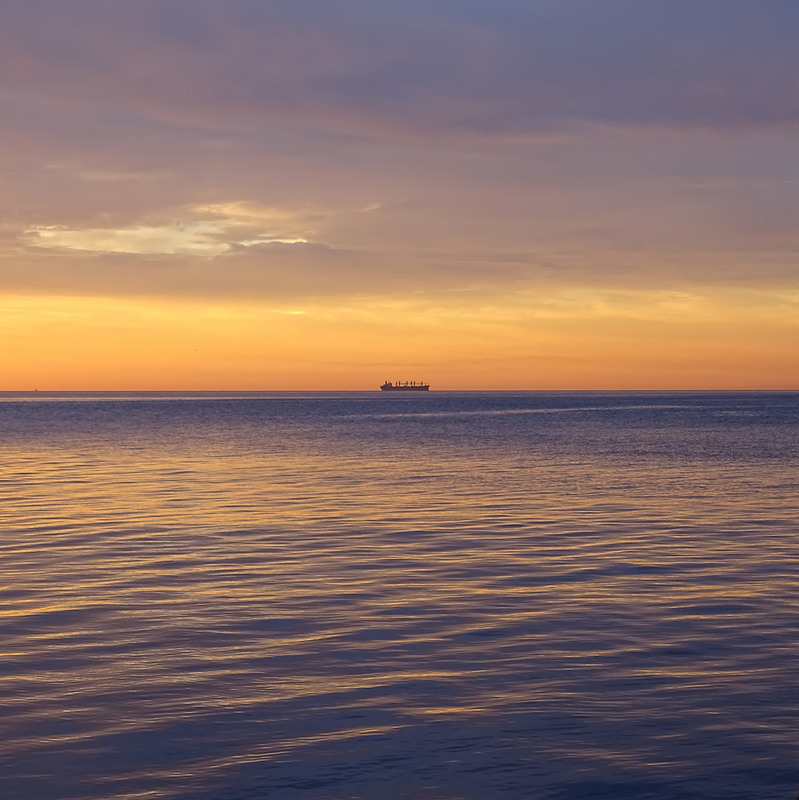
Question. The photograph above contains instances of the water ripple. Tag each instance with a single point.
(272, 597)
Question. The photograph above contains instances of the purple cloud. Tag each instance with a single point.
(508, 67)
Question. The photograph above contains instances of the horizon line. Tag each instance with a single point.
(378, 392)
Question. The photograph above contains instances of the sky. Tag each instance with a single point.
(325, 194)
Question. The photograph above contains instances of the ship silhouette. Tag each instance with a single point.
(407, 386)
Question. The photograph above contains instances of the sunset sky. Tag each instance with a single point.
(324, 194)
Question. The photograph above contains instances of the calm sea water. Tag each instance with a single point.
(453, 596)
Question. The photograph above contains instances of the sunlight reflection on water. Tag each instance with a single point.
(451, 596)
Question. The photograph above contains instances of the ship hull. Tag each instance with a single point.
(404, 388)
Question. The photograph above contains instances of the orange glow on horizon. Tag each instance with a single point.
(628, 341)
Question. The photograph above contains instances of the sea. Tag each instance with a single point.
(399, 596)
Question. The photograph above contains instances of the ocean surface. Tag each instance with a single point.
(443, 596)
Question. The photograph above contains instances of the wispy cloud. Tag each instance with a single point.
(203, 230)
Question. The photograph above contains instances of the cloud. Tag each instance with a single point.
(203, 230)
(385, 149)
(139, 239)
(606, 210)
(371, 66)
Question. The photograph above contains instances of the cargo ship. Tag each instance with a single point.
(408, 386)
